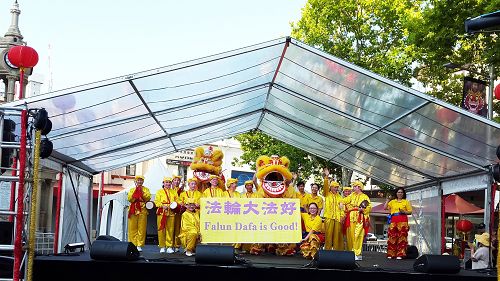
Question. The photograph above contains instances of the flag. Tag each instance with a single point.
(474, 96)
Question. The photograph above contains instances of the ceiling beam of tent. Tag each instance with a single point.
(278, 66)
(125, 146)
(151, 114)
(158, 112)
(290, 142)
(383, 127)
(152, 156)
(347, 143)
(357, 120)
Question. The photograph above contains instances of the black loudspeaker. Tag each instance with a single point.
(437, 264)
(411, 252)
(212, 254)
(107, 238)
(336, 259)
(113, 250)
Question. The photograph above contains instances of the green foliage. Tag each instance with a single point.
(255, 144)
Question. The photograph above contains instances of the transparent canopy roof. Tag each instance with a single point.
(284, 88)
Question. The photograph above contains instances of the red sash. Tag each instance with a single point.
(135, 207)
(361, 219)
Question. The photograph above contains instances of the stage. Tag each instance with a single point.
(153, 265)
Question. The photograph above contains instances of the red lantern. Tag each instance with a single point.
(23, 56)
(464, 226)
(445, 115)
(407, 132)
(497, 92)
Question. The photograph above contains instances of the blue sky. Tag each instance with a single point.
(94, 40)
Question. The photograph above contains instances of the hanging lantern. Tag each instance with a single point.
(407, 132)
(446, 116)
(23, 56)
(497, 92)
(464, 226)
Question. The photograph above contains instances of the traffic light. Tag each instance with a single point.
(482, 22)
(9, 126)
(43, 123)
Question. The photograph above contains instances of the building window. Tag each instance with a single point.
(130, 170)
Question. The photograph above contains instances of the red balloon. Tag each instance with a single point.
(464, 225)
(445, 115)
(23, 56)
(497, 92)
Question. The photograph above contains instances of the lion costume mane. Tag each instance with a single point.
(273, 174)
(206, 162)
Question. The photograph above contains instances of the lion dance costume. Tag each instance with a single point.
(274, 176)
(207, 162)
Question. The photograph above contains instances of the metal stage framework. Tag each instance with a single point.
(288, 90)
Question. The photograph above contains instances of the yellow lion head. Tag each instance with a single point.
(272, 173)
(206, 162)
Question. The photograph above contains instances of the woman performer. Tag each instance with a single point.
(397, 234)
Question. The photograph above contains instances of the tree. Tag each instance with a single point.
(255, 144)
(439, 35)
(370, 34)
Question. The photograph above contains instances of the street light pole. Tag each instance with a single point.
(490, 92)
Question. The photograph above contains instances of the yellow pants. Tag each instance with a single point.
(189, 241)
(137, 228)
(177, 230)
(355, 236)
(334, 238)
(166, 235)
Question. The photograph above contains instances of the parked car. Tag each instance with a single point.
(371, 237)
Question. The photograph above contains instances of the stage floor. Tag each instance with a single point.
(374, 266)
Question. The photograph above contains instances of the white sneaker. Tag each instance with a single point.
(162, 250)
(399, 258)
(358, 258)
(188, 253)
(176, 250)
(139, 249)
(389, 258)
(170, 250)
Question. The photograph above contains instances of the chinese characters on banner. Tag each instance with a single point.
(250, 220)
(474, 96)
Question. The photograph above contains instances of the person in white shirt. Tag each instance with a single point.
(481, 255)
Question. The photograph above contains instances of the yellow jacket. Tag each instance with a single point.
(146, 196)
(235, 194)
(212, 193)
(166, 196)
(332, 203)
(189, 196)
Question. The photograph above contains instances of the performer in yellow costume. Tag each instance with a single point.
(334, 215)
(137, 213)
(346, 191)
(397, 233)
(190, 229)
(192, 195)
(232, 193)
(301, 193)
(249, 190)
(176, 185)
(313, 236)
(315, 198)
(275, 179)
(357, 218)
(165, 216)
(245, 247)
(213, 191)
(231, 189)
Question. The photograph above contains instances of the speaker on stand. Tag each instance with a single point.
(215, 254)
(114, 251)
(437, 264)
(336, 259)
